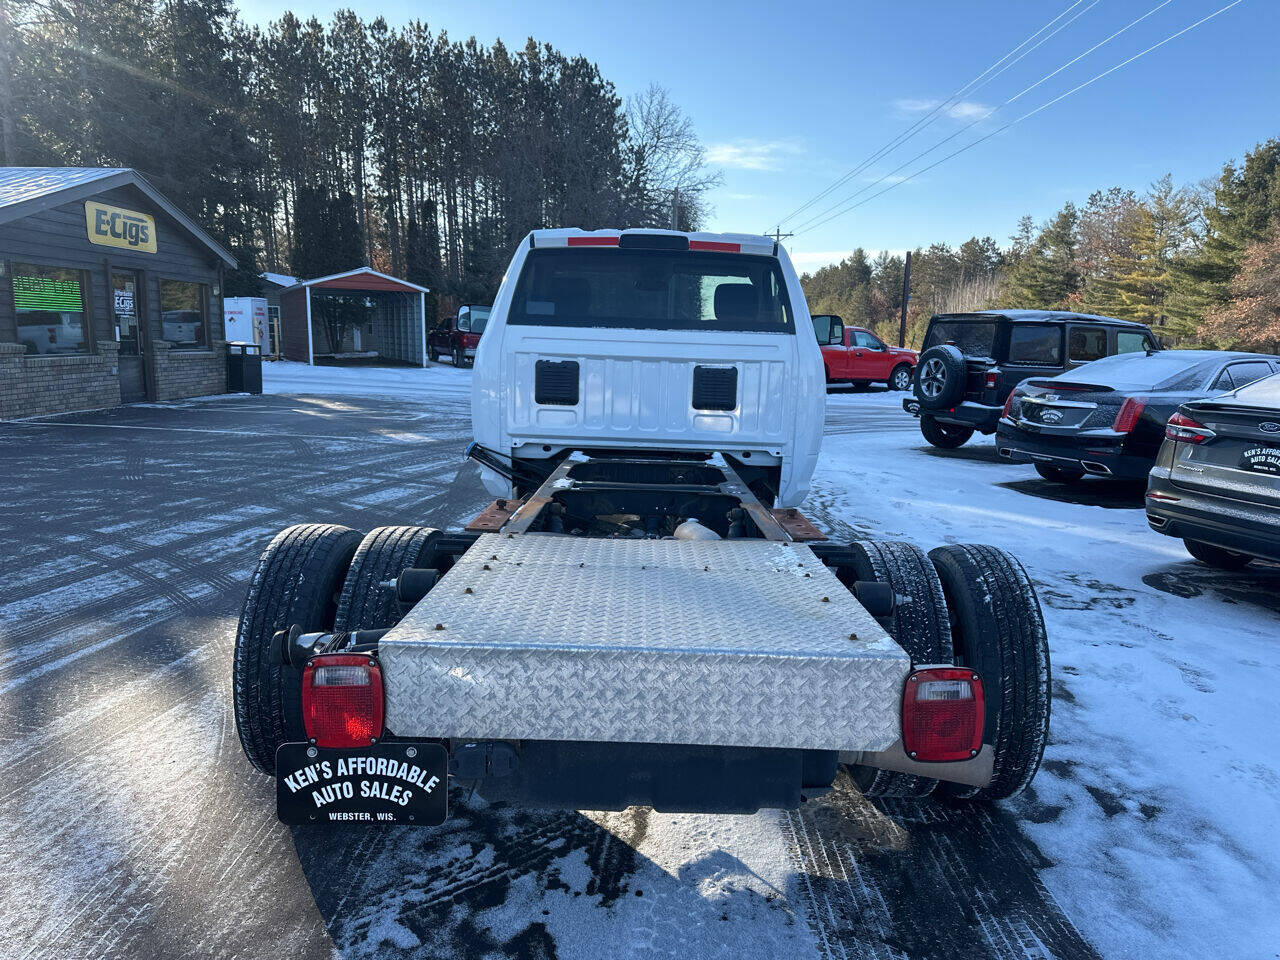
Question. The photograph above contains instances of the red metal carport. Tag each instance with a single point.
(395, 327)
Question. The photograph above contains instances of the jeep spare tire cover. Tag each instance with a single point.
(940, 377)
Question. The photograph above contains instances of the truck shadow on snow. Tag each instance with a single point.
(495, 882)
(976, 453)
(868, 878)
(1109, 494)
(1257, 584)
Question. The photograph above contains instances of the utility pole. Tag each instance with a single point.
(906, 298)
(778, 235)
(675, 208)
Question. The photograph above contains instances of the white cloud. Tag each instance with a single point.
(748, 154)
(960, 110)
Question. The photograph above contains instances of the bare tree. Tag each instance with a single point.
(665, 157)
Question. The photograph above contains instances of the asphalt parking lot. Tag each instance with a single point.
(134, 827)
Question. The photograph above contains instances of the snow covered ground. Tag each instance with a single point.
(1159, 799)
(132, 825)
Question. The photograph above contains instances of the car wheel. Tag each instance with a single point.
(947, 436)
(1059, 474)
(297, 581)
(457, 357)
(919, 624)
(997, 630)
(366, 602)
(432, 354)
(900, 379)
(1216, 556)
(940, 377)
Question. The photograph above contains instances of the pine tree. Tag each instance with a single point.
(1047, 276)
(1245, 204)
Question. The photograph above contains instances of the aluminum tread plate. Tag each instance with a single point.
(724, 642)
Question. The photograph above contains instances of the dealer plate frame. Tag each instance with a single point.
(305, 788)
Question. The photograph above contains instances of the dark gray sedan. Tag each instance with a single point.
(1216, 482)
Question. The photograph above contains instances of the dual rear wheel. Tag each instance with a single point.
(321, 577)
(973, 606)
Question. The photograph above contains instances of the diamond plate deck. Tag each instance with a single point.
(649, 641)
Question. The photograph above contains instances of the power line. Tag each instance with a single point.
(1025, 116)
(969, 126)
(928, 118)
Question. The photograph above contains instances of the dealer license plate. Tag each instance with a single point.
(1264, 458)
(396, 782)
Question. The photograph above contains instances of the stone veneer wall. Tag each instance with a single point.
(190, 373)
(34, 385)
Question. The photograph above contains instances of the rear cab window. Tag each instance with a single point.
(1086, 344)
(1037, 344)
(652, 290)
(973, 338)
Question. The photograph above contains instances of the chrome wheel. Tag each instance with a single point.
(901, 378)
(933, 378)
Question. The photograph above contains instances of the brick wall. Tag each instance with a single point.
(34, 385)
(190, 373)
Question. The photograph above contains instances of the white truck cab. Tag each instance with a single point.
(651, 341)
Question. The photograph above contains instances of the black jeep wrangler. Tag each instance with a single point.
(970, 362)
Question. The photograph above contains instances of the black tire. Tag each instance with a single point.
(941, 377)
(1059, 474)
(1217, 556)
(365, 604)
(919, 624)
(457, 357)
(947, 436)
(998, 630)
(432, 354)
(297, 581)
(900, 379)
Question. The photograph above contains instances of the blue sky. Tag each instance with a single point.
(789, 96)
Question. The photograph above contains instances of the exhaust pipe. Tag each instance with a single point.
(1100, 469)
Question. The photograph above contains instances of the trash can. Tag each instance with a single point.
(244, 368)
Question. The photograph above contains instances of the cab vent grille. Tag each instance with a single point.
(555, 382)
(715, 388)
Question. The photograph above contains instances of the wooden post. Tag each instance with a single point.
(906, 298)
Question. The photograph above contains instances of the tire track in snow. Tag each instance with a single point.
(893, 880)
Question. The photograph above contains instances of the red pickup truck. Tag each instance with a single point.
(856, 355)
(457, 337)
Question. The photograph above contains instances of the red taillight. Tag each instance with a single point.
(715, 245)
(342, 700)
(1129, 413)
(1185, 430)
(592, 241)
(942, 714)
(1008, 405)
(992, 377)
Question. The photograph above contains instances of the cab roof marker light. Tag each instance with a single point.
(715, 245)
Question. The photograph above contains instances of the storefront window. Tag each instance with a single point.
(49, 304)
(183, 314)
